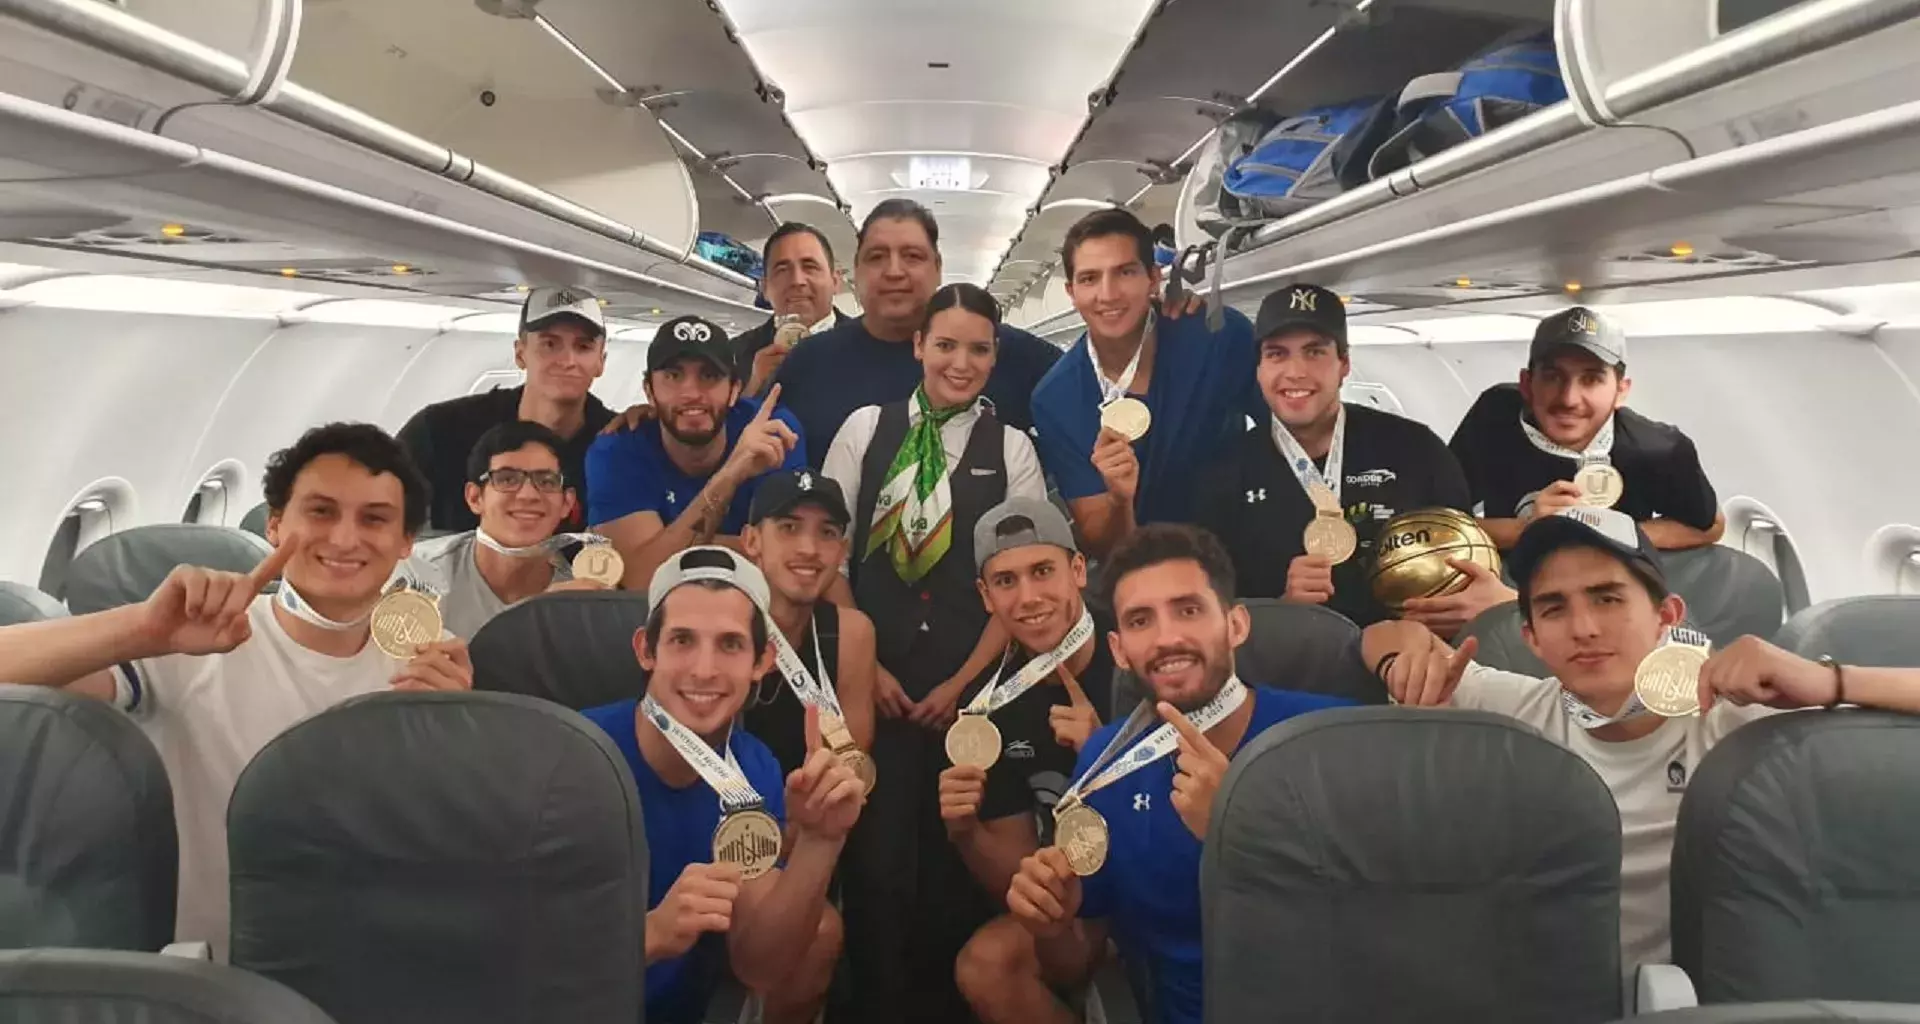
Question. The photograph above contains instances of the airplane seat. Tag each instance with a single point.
(443, 858)
(1809, 1012)
(1344, 878)
(1291, 647)
(1502, 645)
(574, 648)
(20, 603)
(88, 986)
(1794, 874)
(127, 567)
(255, 521)
(1882, 631)
(1729, 593)
(88, 854)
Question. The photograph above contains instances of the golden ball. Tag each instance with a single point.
(1411, 552)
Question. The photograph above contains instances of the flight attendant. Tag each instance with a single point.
(921, 472)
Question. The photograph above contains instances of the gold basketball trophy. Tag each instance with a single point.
(1410, 555)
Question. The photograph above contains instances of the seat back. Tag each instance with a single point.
(127, 567)
(20, 603)
(1729, 593)
(1393, 864)
(88, 855)
(574, 648)
(1882, 631)
(89, 986)
(1502, 645)
(255, 521)
(1794, 867)
(468, 858)
(1810, 1012)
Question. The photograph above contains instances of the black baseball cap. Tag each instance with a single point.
(781, 492)
(691, 336)
(1581, 328)
(1608, 529)
(1302, 305)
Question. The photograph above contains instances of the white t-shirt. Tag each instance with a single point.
(208, 716)
(467, 600)
(1647, 776)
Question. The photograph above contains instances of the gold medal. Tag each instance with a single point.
(1081, 833)
(833, 730)
(1127, 417)
(403, 620)
(749, 840)
(1668, 680)
(1330, 537)
(599, 563)
(973, 740)
(1600, 485)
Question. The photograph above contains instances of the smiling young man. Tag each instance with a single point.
(687, 476)
(1367, 465)
(800, 285)
(1193, 381)
(1177, 625)
(1523, 448)
(717, 901)
(1596, 605)
(212, 669)
(562, 346)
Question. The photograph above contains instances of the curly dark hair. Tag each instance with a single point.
(1159, 543)
(366, 445)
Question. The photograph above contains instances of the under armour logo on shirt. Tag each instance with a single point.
(671, 500)
(1142, 801)
(1259, 495)
(806, 481)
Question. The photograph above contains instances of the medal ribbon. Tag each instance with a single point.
(548, 548)
(994, 696)
(1158, 743)
(1302, 465)
(1587, 718)
(1598, 450)
(723, 774)
(290, 600)
(1113, 390)
(816, 687)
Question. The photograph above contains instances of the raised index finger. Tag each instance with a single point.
(813, 728)
(766, 405)
(1184, 727)
(1075, 695)
(269, 568)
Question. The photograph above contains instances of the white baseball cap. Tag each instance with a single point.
(545, 306)
(709, 562)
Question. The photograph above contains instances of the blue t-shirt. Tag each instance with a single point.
(833, 373)
(680, 824)
(1149, 890)
(630, 472)
(1202, 391)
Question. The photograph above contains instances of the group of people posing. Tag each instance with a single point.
(903, 570)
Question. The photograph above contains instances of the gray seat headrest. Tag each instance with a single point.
(88, 855)
(1502, 645)
(1307, 648)
(20, 603)
(418, 858)
(127, 567)
(1729, 594)
(87, 986)
(1794, 875)
(574, 648)
(1810, 1012)
(255, 521)
(1344, 878)
(1881, 631)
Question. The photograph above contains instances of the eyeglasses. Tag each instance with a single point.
(547, 481)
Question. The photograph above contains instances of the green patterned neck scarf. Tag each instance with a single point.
(914, 514)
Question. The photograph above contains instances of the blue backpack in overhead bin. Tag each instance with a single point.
(1495, 89)
(1297, 161)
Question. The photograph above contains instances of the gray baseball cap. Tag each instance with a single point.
(1581, 328)
(1017, 523)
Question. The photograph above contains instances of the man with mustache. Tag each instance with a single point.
(800, 285)
(1176, 625)
(688, 475)
(1524, 449)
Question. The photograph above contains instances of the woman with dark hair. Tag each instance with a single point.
(921, 472)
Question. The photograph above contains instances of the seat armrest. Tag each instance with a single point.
(189, 950)
(1658, 987)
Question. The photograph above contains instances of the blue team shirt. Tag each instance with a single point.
(680, 824)
(1202, 391)
(630, 472)
(1149, 890)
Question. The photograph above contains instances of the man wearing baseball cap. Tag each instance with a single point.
(752, 907)
(562, 346)
(1315, 457)
(1526, 449)
(687, 476)
(1596, 604)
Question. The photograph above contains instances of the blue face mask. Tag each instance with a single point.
(1163, 256)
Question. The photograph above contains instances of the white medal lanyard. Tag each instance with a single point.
(1589, 719)
(293, 604)
(1302, 464)
(1598, 451)
(815, 687)
(1113, 390)
(994, 696)
(549, 548)
(723, 774)
(1158, 744)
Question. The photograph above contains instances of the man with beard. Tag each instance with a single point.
(1564, 437)
(800, 285)
(687, 476)
(1042, 701)
(870, 361)
(1176, 627)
